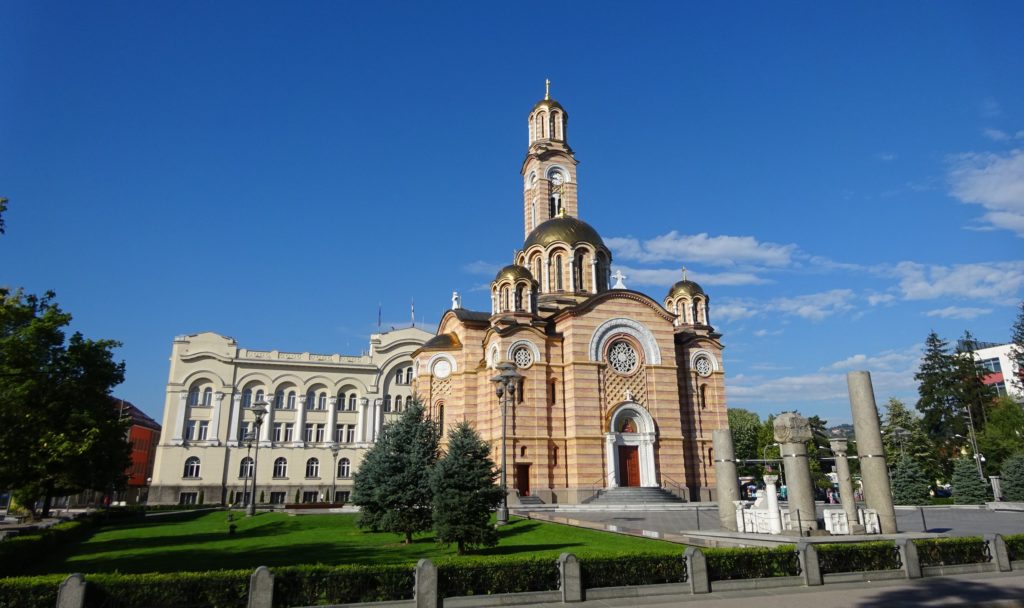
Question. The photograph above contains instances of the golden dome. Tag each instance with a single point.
(514, 272)
(550, 104)
(685, 288)
(564, 229)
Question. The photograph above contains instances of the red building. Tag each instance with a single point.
(144, 435)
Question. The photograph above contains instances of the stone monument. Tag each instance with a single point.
(839, 447)
(873, 469)
(793, 431)
(728, 482)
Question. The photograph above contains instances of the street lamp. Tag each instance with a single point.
(246, 496)
(505, 384)
(335, 448)
(260, 410)
(900, 434)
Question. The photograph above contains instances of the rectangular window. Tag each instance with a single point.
(278, 431)
(204, 429)
(339, 433)
(341, 496)
(991, 365)
(310, 496)
(277, 498)
(320, 429)
(190, 429)
(350, 433)
(288, 431)
(1000, 388)
(188, 498)
(308, 435)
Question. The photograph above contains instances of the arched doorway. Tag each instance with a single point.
(629, 447)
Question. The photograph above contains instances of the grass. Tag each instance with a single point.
(195, 542)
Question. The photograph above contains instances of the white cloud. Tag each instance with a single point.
(995, 134)
(888, 360)
(722, 250)
(994, 181)
(481, 267)
(999, 281)
(816, 306)
(763, 333)
(880, 298)
(732, 311)
(958, 312)
(665, 277)
(886, 157)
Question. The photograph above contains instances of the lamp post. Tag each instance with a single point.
(260, 410)
(246, 495)
(901, 435)
(505, 388)
(335, 448)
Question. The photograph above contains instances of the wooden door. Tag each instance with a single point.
(523, 479)
(629, 466)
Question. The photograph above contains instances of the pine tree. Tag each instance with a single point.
(902, 435)
(937, 402)
(465, 491)
(968, 488)
(1013, 478)
(392, 486)
(909, 483)
(1016, 375)
(970, 392)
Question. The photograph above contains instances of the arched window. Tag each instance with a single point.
(398, 403)
(245, 470)
(558, 272)
(291, 400)
(312, 468)
(519, 299)
(504, 300)
(344, 468)
(440, 418)
(207, 396)
(341, 401)
(247, 398)
(352, 402)
(193, 396)
(387, 403)
(278, 400)
(321, 401)
(281, 467)
(310, 400)
(259, 395)
(703, 396)
(408, 375)
(192, 467)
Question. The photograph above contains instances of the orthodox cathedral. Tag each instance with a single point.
(617, 389)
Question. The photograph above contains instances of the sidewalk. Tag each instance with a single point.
(977, 590)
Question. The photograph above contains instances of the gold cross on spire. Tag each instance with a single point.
(547, 88)
(684, 273)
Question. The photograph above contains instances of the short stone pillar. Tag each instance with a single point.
(728, 481)
(571, 579)
(792, 431)
(1000, 554)
(839, 447)
(774, 519)
(425, 594)
(697, 571)
(261, 588)
(909, 557)
(873, 469)
(810, 569)
(71, 593)
(997, 487)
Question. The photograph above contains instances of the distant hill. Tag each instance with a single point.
(841, 430)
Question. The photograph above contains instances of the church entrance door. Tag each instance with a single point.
(523, 479)
(629, 466)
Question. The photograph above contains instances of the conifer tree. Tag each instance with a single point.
(909, 483)
(968, 488)
(392, 486)
(1017, 351)
(902, 435)
(465, 491)
(969, 390)
(1013, 478)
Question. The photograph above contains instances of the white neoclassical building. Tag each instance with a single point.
(316, 403)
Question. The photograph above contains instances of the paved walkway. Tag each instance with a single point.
(977, 590)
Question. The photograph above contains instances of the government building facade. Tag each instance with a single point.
(618, 389)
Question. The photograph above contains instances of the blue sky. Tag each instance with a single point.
(841, 179)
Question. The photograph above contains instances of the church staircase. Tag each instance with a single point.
(633, 496)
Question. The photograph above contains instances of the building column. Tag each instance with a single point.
(611, 478)
(361, 434)
(375, 418)
(873, 469)
(727, 480)
(214, 430)
(648, 479)
(572, 271)
(792, 431)
(774, 517)
(267, 430)
(300, 422)
(179, 419)
(845, 481)
(332, 419)
(545, 270)
(234, 420)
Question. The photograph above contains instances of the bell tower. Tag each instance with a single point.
(549, 170)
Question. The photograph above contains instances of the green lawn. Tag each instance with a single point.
(201, 542)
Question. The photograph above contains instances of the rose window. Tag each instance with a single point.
(622, 357)
(523, 357)
(703, 366)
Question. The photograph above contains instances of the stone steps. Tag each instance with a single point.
(633, 496)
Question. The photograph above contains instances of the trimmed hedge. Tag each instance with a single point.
(627, 570)
(320, 584)
(858, 557)
(19, 553)
(30, 591)
(752, 562)
(487, 576)
(1015, 546)
(953, 551)
(217, 589)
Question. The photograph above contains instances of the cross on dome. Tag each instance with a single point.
(547, 88)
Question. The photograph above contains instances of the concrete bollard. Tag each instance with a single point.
(72, 592)
(571, 580)
(426, 584)
(810, 569)
(261, 588)
(1000, 555)
(697, 571)
(908, 555)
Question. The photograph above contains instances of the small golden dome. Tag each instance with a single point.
(685, 288)
(514, 272)
(566, 229)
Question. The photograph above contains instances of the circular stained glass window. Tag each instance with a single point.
(622, 357)
(442, 369)
(523, 357)
(703, 366)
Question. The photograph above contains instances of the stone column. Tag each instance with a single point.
(218, 400)
(377, 414)
(845, 481)
(300, 422)
(266, 431)
(792, 431)
(361, 435)
(332, 420)
(725, 472)
(235, 419)
(611, 479)
(873, 468)
(997, 487)
(179, 419)
(774, 518)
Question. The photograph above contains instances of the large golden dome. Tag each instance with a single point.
(564, 229)
(514, 272)
(685, 288)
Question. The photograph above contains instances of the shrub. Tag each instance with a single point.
(20, 553)
(30, 591)
(216, 589)
(968, 488)
(1015, 546)
(487, 576)
(751, 562)
(858, 557)
(952, 551)
(319, 584)
(632, 570)
(909, 483)
(1012, 477)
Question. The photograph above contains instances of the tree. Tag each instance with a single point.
(745, 427)
(392, 486)
(910, 484)
(1002, 436)
(1013, 478)
(939, 420)
(971, 393)
(60, 433)
(968, 488)
(3, 207)
(465, 491)
(902, 435)
(1017, 350)
(816, 448)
